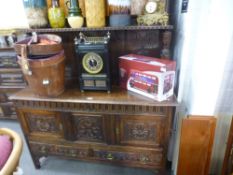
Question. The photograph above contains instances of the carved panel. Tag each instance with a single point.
(90, 128)
(141, 130)
(42, 123)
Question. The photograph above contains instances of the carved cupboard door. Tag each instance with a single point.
(91, 128)
(41, 123)
(141, 130)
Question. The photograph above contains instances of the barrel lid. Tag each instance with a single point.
(47, 44)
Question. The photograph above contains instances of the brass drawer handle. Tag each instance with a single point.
(110, 156)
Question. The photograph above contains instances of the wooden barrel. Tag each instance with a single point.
(47, 75)
(41, 58)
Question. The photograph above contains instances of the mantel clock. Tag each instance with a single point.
(93, 62)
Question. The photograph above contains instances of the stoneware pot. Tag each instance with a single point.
(119, 20)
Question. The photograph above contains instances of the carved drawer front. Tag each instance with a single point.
(91, 128)
(80, 152)
(42, 123)
(130, 155)
(141, 130)
(136, 157)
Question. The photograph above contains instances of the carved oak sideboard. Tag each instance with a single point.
(119, 128)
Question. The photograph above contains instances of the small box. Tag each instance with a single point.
(148, 76)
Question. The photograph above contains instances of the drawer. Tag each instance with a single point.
(129, 155)
(8, 60)
(81, 152)
(136, 157)
(14, 78)
(141, 131)
(41, 123)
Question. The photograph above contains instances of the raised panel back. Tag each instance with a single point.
(196, 141)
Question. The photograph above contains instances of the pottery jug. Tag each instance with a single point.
(56, 15)
(75, 18)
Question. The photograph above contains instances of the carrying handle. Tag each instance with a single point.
(24, 61)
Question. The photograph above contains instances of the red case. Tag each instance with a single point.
(148, 76)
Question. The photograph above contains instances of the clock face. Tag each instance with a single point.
(92, 63)
(151, 7)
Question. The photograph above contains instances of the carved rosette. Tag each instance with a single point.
(42, 123)
(140, 131)
(89, 128)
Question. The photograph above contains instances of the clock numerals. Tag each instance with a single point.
(92, 63)
(151, 7)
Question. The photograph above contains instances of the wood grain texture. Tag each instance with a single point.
(197, 136)
(227, 167)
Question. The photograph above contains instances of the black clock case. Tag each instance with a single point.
(104, 75)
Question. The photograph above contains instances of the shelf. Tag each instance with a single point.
(48, 30)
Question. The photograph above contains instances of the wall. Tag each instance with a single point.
(12, 15)
(224, 112)
(203, 41)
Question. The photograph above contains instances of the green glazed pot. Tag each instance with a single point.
(56, 17)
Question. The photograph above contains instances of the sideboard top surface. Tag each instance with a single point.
(117, 96)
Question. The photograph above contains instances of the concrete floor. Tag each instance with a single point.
(55, 166)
